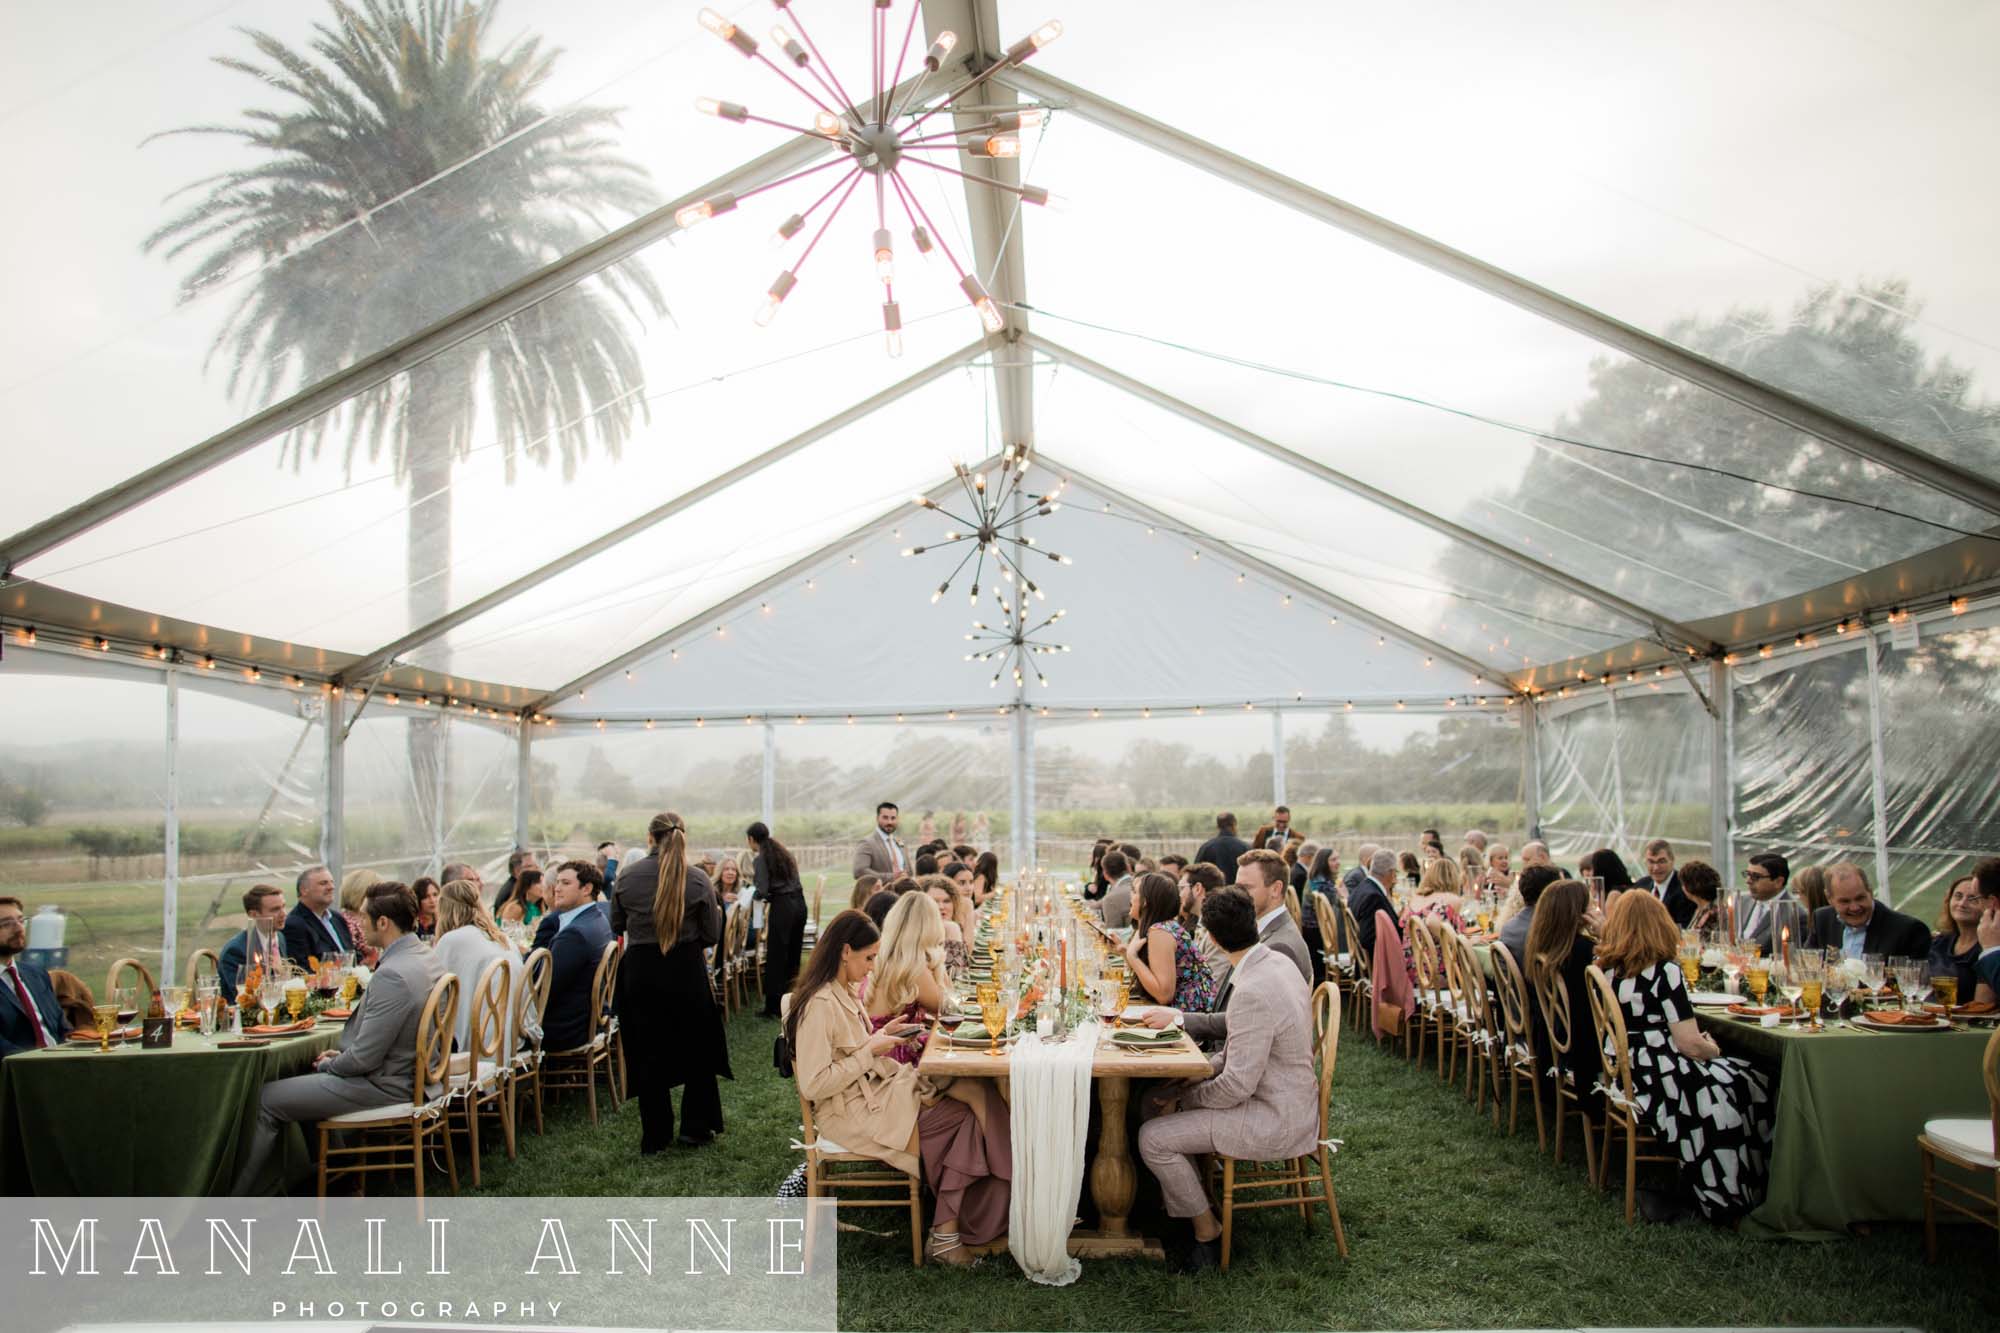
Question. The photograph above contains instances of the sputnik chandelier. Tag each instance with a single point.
(1013, 641)
(999, 512)
(877, 138)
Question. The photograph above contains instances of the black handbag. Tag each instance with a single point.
(781, 1056)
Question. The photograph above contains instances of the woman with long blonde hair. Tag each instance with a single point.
(1438, 891)
(467, 943)
(909, 980)
(667, 911)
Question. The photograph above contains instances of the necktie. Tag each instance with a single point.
(895, 854)
(28, 1003)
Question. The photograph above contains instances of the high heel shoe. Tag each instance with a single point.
(945, 1247)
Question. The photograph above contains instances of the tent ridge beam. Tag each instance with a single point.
(468, 322)
(1662, 625)
(887, 519)
(387, 654)
(1383, 625)
(1765, 399)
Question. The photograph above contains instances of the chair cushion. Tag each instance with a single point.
(1969, 1140)
(397, 1113)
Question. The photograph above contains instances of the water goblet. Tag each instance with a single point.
(1732, 970)
(1836, 985)
(269, 996)
(1913, 978)
(1874, 970)
(107, 1019)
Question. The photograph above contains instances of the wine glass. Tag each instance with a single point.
(1874, 971)
(270, 995)
(107, 1019)
(1837, 983)
(127, 1000)
(1913, 978)
(1732, 969)
(1757, 977)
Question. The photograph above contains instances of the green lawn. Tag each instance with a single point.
(1452, 1225)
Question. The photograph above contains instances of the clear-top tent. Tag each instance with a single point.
(1623, 376)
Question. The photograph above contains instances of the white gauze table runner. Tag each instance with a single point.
(1050, 1089)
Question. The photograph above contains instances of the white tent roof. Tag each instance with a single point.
(1209, 337)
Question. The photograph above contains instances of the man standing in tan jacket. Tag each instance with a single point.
(881, 852)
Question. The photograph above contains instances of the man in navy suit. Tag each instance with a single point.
(265, 908)
(1988, 967)
(1665, 882)
(581, 932)
(30, 1018)
(315, 929)
(1854, 923)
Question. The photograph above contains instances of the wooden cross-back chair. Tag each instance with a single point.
(1970, 1146)
(530, 1007)
(482, 1075)
(1621, 1107)
(1301, 1181)
(1339, 966)
(1472, 1018)
(118, 970)
(395, 1138)
(1363, 962)
(1432, 1020)
(1571, 1096)
(577, 1067)
(1516, 1057)
(194, 967)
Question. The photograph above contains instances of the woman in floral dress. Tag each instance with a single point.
(1167, 965)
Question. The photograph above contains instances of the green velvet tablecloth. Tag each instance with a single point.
(1850, 1107)
(131, 1121)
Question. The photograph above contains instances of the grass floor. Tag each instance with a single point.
(1451, 1225)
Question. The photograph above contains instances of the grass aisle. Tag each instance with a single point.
(1451, 1224)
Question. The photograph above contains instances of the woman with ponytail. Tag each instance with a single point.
(784, 898)
(667, 911)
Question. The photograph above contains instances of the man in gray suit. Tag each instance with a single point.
(1264, 876)
(881, 852)
(376, 1062)
(1117, 904)
(1261, 1099)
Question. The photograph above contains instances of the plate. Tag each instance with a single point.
(1711, 999)
(1761, 1010)
(1874, 1023)
(1966, 1013)
(336, 1015)
(88, 1036)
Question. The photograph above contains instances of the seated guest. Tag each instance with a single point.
(1412, 869)
(1299, 856)
(1165, 961)
(467, 943)
(1173, 863)
(427, 890)
(1536, 853)
(1556, 952)
(909, 983)
(728, 881)
(866, 884)
(375, 1064)
(1988, 969)
(264, 910)
(1608, 866)
(457, 870)
(1854, 924)
(961, 851)
(517, 860)
(581, 932)
(1261, 874)
(1472, 865)
(1202, 880)
(1116, 909)
(1766, 877)
(1261, 1101)
(1373, 895)
(1664, 882)
(1514, 930)
(1955, 951)
(78, 1005)
(1095, 884)
(985, 877)
(1362, 856)
(1713, 1111)
(1322, 937)
(1499, 868)
(1701, 884)
(1439, 892)
(961, 922)
(354, 886)
(878, 907)
(314, 929)
(526, 902)
(874, 1105)
(1809, 887)
(30, 1017)
(926, 864)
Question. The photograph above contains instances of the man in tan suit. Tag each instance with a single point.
(881, 852)
(1260, 1103)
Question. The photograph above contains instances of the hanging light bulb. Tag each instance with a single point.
(892, 328)
(775, 297)
(885, 256)
(832, 126)
(998, 145)
(1033, 42)
(922, 239)
(784, 41)
(787, 229)
(989, 313)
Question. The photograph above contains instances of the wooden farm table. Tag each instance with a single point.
(1113, 1177)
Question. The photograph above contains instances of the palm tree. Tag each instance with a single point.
(407, 172)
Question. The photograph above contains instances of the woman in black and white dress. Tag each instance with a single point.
(1715, 1110)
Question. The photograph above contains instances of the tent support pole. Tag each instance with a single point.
(524, 791)
(1878, 784)
(1720, 795)
(1531, 769)
(770, 783)
(170, 885)
(1277, 756)
(333, 812)
(1617, 784)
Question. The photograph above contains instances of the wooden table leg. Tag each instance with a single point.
(1113, 1178)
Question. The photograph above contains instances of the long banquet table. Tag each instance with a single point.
(76, 1121)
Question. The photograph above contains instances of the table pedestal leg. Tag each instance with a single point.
(1113, 1181)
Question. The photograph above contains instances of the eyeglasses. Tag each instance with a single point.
(1755, 874)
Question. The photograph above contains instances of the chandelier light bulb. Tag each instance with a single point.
(832, 126)
(922, 239)
(1034, 41)
(1027, 118)
(775, 297)
(885, 256)
(704, 209)
(709, 106)
(784, 41)
(787, 229)
(989, 313)
(732, 34)
(941, 48)
(999, 145)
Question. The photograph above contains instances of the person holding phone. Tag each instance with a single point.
(874, 1105)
